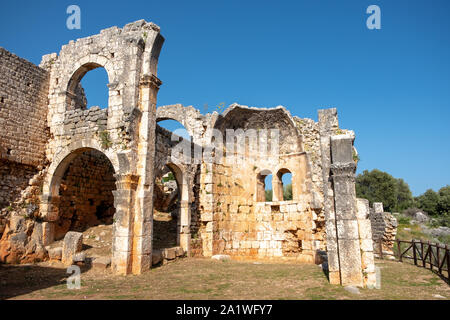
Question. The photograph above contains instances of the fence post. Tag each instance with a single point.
(438, 246)
(423, 256)
(399, 251)
(448, 262)
(430, 252)
(414, 251)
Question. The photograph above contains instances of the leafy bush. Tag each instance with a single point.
(403, 219)
(169, 177)
(442, 220)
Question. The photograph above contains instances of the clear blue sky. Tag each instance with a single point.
(391, 86)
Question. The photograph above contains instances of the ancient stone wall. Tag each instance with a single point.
(236, 219)
(187, 177)
(309, 130)
(23, 110)
(384, 228)
(23, 129)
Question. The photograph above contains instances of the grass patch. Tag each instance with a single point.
(208, 279)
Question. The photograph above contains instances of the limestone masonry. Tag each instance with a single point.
(65, 167)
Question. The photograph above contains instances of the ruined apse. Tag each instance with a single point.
(64, 167)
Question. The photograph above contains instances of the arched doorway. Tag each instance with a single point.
(166, 207)
(174, 189)
(82, 199)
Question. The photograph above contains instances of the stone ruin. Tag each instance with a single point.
(384, 229)
(65, 167)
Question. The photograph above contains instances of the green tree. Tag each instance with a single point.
(443, 206)
(287, 192)
(405, 198)
(269, 195)
(378, 186)
(428, 202)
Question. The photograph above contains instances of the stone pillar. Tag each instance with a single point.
(328, 125)
(343, 176)
(207, 209)
(124, 197)
(184, 223)
(366, 243)
(50, 213)
(277, 187)
(143, 213)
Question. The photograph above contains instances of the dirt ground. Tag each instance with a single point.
(194, 278)
(96, 241)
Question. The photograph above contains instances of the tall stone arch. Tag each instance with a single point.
(124, 132)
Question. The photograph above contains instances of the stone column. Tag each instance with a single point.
(207, 208)
(49, 210)
(277, 187)
(184, 223)
(328, 125)
(343, 176)
(124, 197)
(366, 243)
(143, 213)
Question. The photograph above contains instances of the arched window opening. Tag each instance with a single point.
(284, 180)
(264, 186)
(95, 84)
(268, 187)
(175, 127)
(88, 87)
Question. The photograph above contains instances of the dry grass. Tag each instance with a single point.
(208, 279)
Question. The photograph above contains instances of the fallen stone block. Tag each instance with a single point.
(73, 243)
(101, 262)
(169, 253)
(221, 257)
(179, 251)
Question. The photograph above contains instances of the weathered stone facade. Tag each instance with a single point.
(85, 166)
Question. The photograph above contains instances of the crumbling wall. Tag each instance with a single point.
(23, 133)
(235, 219)
(309, 130)
(384, 228)
(23, 110)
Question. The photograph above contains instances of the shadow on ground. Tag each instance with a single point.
(16, 280)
